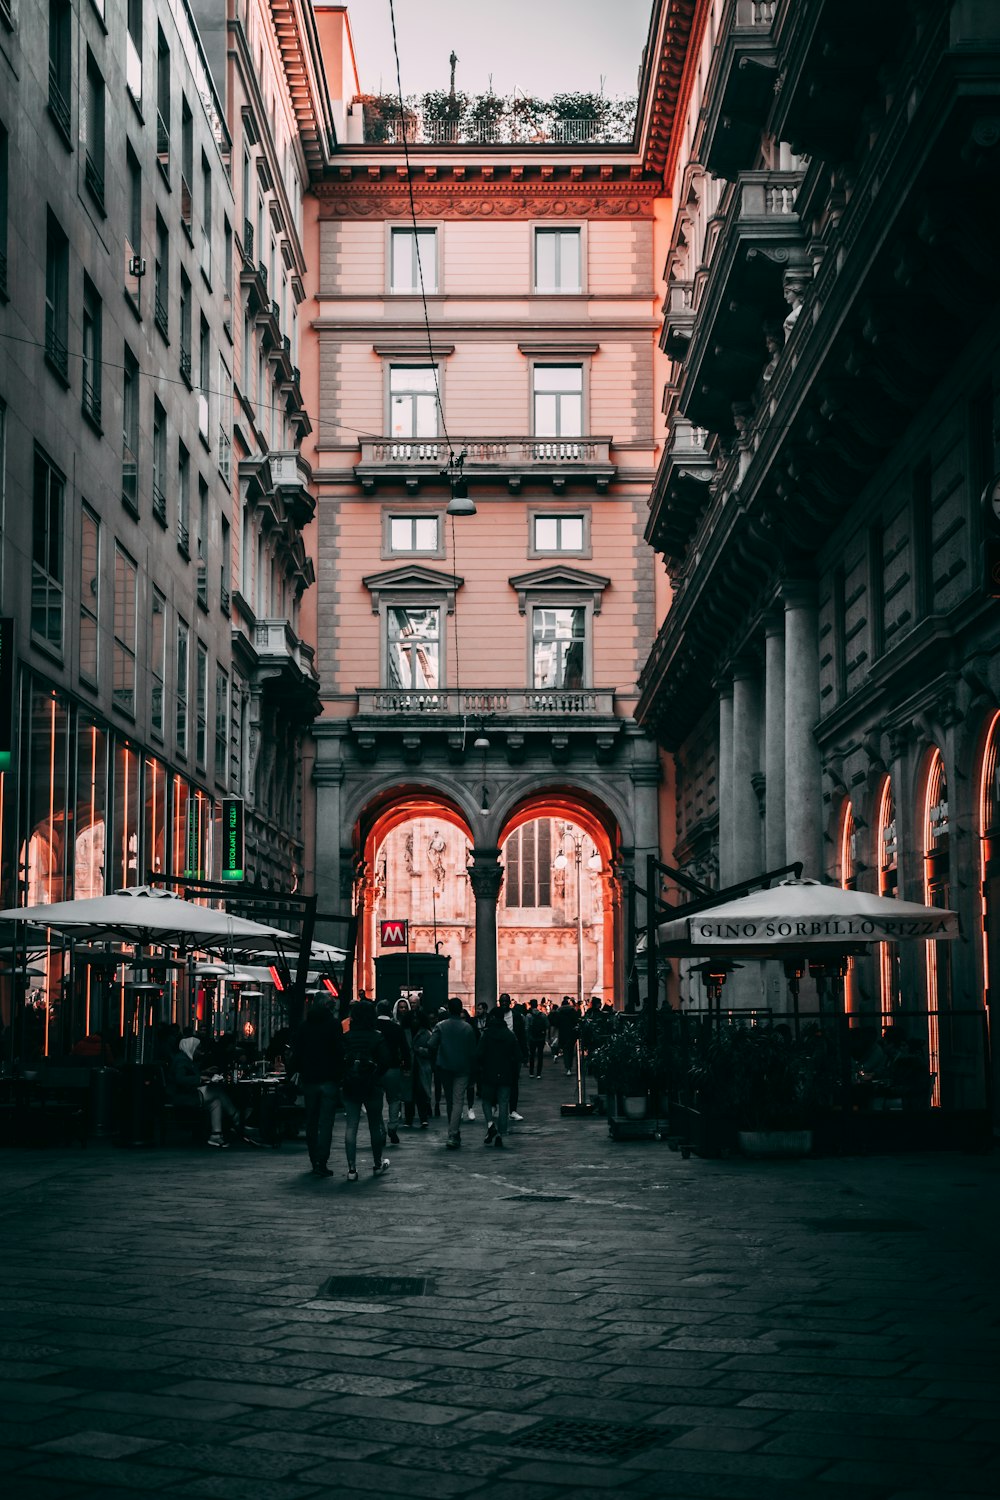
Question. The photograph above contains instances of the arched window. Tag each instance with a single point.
(888, 954)
(937, 877)
(848, 881)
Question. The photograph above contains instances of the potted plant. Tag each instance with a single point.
(485, 115)
(624, 1062)
(753, 1080)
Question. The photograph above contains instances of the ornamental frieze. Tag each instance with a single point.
(480, 201)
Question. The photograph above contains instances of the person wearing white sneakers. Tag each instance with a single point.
(513, 1019)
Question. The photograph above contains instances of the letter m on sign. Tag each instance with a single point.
(392, 934)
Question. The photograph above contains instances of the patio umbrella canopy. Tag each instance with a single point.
(145, 915)
(803, 914)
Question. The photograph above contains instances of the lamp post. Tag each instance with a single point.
(561, 862)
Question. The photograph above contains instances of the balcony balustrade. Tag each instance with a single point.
(162, 143)
(130, 481)
(58, 103)
(511, 460)
(277, 644)
(291, 476)
(678, 319)
(159, 505)
(456, 703)
(253, 278)
(681, 489)
(740, 95)
(93, 176)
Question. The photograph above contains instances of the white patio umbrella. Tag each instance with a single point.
(803, 914)
(145, 915)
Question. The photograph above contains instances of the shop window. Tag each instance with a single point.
(937, 890)
(848, 881)
(91, 811)
(157, 661)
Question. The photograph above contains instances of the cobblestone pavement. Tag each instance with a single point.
(587, 1319)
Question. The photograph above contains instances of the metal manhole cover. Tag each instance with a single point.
(599, 1439)
(376, 1286)
(861, 1226)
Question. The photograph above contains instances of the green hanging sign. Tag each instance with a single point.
(233, 838)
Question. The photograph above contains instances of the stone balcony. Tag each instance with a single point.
(681, 489)
(560, 722)
(759, 242)
(513, 461)
(678, 319)
(285, 668)
(292, 476)
(740, 96)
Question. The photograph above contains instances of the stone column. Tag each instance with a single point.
(328, 780)
(803, 791)
(774, 741)
(726, 846)
(645, 777)
(486, 877)
(746, 850)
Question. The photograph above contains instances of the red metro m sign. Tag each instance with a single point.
(393, 934)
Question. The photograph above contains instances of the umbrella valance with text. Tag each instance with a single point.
(803, 914)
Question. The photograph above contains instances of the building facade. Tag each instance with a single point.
(480, 670)
(827, 679)
(151, 488)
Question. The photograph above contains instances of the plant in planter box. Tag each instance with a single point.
(754, 1080)
(624, 1062)
(486, 114)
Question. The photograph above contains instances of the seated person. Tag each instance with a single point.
(185, 1087)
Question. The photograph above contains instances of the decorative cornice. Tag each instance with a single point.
(558, 346)
(412, 347)
(379, 198)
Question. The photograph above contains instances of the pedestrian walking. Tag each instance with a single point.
(366, 1058)
(318, 1058)
(453, 1050)
(498, 1061)
(398, 1047)
(566, 1023)
(513, 1018)
(537, 1028)
(420, 1043)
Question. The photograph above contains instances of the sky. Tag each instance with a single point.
(539, 47)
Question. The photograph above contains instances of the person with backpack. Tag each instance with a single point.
(453, 1050)
(537, 1026)
(366, 1058)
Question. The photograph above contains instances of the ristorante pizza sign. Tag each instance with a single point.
(855, 929)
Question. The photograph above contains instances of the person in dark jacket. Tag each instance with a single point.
(366, 1058)
(184, 1086)
(566, 1024)
(453, 1050)
(318, 1054)
(537, 1026)
(498, 1061)
(513, 1017)
(398, 1045)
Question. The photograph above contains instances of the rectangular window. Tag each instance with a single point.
(162, 101)
(201, 704)
(161, 277)
(181, 665)
(528, 865)
(47, 580)
(126, 624)
(206, 219)
(61, 65)
(157, 662)
(558, 639)
(557, 400)
(221, 723)
(92, 129)
(185, 329)
(557, 260)
(133, 237)
(558, 534)
(57, 299)
(91, 366)
(225, 565)
(227, 268)
(187, 164)
(203, 543)
(90, 594)
(414, 647)
(130, 433)
(225, 420)
(133, 50)
(413, 533)
(183, 500)
(159, 463)
(204, 377)
(412, 401)
(4, 192)
(414, 258)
